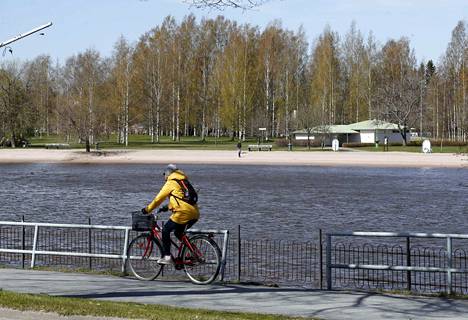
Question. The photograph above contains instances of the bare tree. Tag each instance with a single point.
(399, 85)
(400, 103)
(122, 72)
(38, 75)
(221, 4)
(84, 75)
(15, 111)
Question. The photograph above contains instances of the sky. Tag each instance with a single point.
(82, 24)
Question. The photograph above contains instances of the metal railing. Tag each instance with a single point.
(13, 243)
(362, 260)
(275, 262)
(446, 266)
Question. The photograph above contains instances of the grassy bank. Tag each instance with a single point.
(74, 306)
(223, 143)
(417, 149)
(144, 142)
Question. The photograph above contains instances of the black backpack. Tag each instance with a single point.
(190, 195)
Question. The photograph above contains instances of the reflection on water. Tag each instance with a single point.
(267, 201)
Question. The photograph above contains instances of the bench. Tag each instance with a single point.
(260, 147)
(57, 146)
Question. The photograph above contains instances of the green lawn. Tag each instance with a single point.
(144, 142)
(435, 149)
(75, 306)
(211, 143)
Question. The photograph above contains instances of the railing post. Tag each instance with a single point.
(224, 254)
(329, 276)
(449, 265)
(33, 254)
(239, 253)
(90, 245)
(408, 263)
(23, 244)
(321, 259)
(124, 254)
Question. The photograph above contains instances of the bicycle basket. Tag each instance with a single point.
(142, 222)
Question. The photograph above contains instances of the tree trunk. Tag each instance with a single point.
(178, 115)
(87, 144)
(267, 91)
(126, 109)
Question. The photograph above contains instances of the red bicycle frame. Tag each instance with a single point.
(156, 232)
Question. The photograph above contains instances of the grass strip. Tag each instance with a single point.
(76, 306)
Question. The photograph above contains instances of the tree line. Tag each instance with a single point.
(215, 77)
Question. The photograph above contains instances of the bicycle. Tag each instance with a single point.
(199, 255)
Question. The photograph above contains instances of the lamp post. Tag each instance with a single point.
(421, 108)
(23, 35)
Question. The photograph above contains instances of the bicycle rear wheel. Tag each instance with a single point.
(142, 255)
(203, 265)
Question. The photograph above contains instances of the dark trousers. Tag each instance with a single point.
(178, 229)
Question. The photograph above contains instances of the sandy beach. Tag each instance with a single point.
(345, 158)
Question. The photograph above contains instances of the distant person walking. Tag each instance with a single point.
(239, 149)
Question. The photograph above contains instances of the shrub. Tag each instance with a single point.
(415, 143)
(281, 143)
(449, 143)
(357, 145)
(296, 143)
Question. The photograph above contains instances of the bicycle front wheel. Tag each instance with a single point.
(142, 255)
(203, 263)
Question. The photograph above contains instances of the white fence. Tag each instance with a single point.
(449, 270)
(123, 255)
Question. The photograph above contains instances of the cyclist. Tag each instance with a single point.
(184, 214)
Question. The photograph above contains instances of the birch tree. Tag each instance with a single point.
(38, 76)
(15, 111)
(354, 72)
(456, 59)
(325, 76)
(84, 76)
(122, 73)
(399, 87)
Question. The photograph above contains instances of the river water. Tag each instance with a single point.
(274, 202)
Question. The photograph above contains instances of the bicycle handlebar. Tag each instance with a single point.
(163, 209)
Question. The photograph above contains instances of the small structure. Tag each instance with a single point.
(426, 146)
(335, 145)
(369, 131)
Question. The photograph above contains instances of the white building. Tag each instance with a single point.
(369, 131)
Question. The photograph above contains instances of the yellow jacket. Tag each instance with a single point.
(182, 212)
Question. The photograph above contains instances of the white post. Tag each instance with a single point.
(449, 265)
(33, 254)
(124, 254)
(224, 253)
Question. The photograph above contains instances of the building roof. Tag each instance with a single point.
(352, 128)
(373, 125)
(339, 128)
(335, 129)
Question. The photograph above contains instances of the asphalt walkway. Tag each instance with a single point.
(287, 301)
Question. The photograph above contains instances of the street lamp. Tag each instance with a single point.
(23, 35)
(421, 108)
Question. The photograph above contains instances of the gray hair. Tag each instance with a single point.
(170, 169)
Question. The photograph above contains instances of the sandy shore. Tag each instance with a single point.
(373, 159)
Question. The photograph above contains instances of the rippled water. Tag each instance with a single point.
(267, 201)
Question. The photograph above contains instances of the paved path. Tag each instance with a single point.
(287, 301)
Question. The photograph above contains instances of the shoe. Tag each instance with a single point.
(165, 260)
